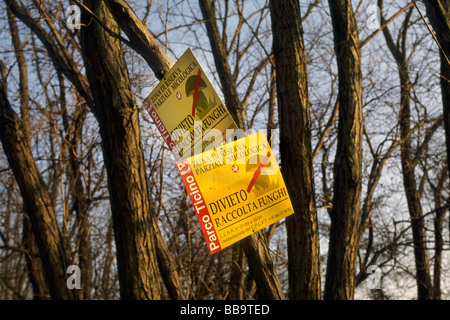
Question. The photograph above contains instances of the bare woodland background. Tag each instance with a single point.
(358, 105)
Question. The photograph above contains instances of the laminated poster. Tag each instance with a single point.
(187, 110)
(236, 189)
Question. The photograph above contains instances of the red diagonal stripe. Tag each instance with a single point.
(197, 84)
(258, 172)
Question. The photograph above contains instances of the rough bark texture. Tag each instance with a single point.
(296, 150)
(36, 199)
(220, 55)
(237, 285)
(236, 109)
(34, 264)
(423, 279)
(255, 246)
(168, 267)
(261, 267)
(438, 12)
(345, 214)
(117, 114)
(141, 40)
(438, 233)
(80, 201)
(145, 44)
(424, 285)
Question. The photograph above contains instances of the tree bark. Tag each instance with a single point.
(168, 267)
(220, 55)
(438, 222)
(63, 61)
(438, 12)
(272, 104)
(237, 278)
(345, 213)
(255, 246)
(134, 29)
(424, 284)
(295, 149)
(34, 264)
(37, 200)
(80, 201)
(234, 105)
(118, 117)
(423, 279)
(261, 266)
(140, 39)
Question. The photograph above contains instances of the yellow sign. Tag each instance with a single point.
(187, 110)
(236, 190)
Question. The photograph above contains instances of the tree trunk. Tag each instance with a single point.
(440, 209)
(262, 268)
(234, 105)
(296, 150)
(140, 39)
(118, 117)
(424, 285)
(272, 103)
(423, 279)
(168, 267)
(146, 46)
(438, 12)
(255, 246)
(80, 201)
(34, 264)
(345, 213)
(220, 55)
(36, 199)
(80, 207)
(237, 274)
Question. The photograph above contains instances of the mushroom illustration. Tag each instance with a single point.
(267, 179)
(203, 105)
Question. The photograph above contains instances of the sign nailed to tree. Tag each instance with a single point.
(236, 190)
(187, 110)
